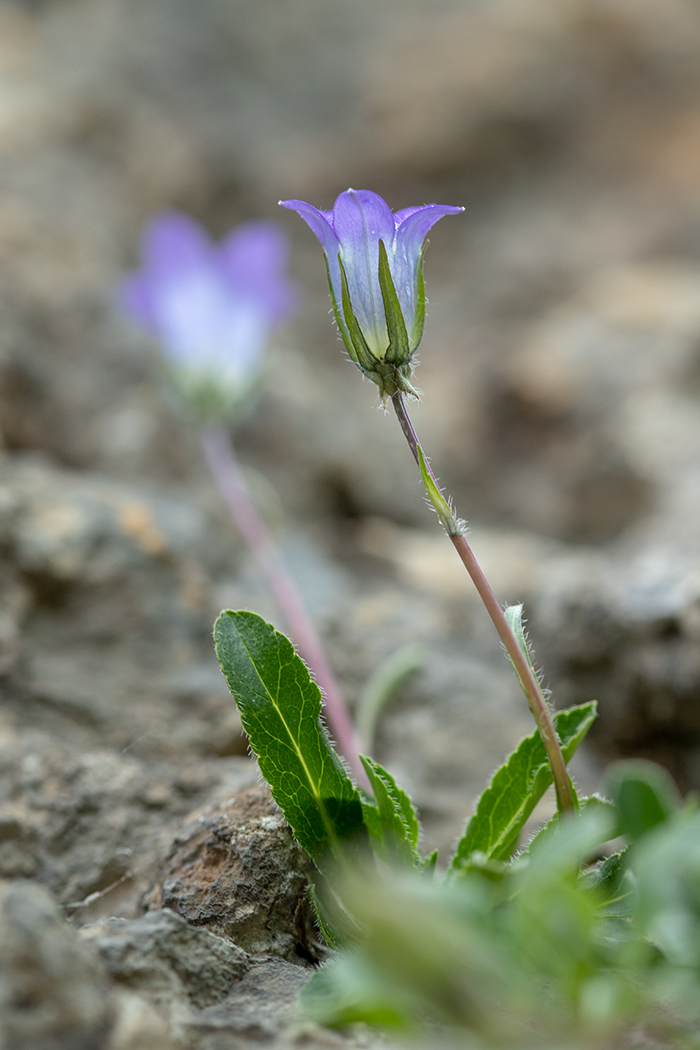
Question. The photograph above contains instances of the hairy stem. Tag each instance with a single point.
(528, 680)
(226, 471)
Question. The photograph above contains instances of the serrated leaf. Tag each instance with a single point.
(517, 787)
(391, 822)
(280, 709)
(325, 926)
(429, 863)
(389, 835)
(400, 799)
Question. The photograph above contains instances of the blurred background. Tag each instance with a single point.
(560, 370)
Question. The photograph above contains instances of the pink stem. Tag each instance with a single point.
(221, 459)
(528, 680)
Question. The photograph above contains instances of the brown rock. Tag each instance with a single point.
(236, 869)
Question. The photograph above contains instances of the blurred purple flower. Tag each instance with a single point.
(375, 273)
(212, 307)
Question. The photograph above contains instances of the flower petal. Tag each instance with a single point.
(415, 226)
(172, 241)
(403, 213)
(135, 295)
(360, 219)
(320, 223)
(360, 216)
(410, 235)
(254, 260)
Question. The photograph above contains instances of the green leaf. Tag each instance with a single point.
(442, 507)
(611, 880)
(392, 822)
(325, 926)
(399, 350)
(516, 788)
(350, 989)
(280, 709)
(399, 798)
(514, 618)
(645, 796)
(588, 804)
(382, 686)
(429, 863)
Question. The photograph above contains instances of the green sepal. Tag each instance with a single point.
(362, 355)
(280, 709)
(337, 314)
(399, 350)
(516, 788)
(391, 821)
(419, 312)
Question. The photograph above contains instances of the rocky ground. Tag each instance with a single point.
(151, 894)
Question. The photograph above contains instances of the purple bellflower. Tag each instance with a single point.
(212, 307)
(374, 260)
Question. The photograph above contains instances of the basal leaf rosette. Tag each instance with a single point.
(374, 260)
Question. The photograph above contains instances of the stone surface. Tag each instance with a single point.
(51, 992)
(94, 826)
(235, 868)
(620, 623)
(624, 628)
(54, 992)
(180, 970)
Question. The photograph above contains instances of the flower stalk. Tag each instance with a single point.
(225, 469)
(374, 262)
(527, 678)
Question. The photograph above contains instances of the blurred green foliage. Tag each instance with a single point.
(589, 937)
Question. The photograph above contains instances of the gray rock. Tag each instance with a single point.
(164, 958)
(53, 991)
(129, 570)
(261, 1005)
(210, 992)
(623, 628)
(94, 826)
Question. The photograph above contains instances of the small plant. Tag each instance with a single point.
(588, 935)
